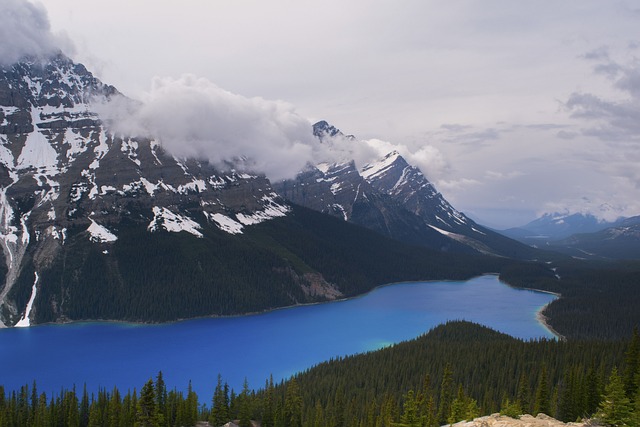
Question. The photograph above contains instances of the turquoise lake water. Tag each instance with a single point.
(281, 342)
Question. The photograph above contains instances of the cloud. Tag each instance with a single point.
(25, 31)
(596, 206)
(455, 127)
(192, 117)
(610, 119)
(457, 184)
(599, 54)
(501, 176)
(563, 134)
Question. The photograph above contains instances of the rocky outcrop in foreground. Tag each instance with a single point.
(497, 420)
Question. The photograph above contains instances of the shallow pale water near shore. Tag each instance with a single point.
(281, 342)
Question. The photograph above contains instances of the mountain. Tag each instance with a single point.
(323, 130)
(556, 226)
(395, 199)
(621, 241)
(100, 225)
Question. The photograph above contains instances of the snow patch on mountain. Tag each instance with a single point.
(225, 223)
(38, 153)
(195, 186)
(441, 231)
(272, 210)
(165, 219)
(372, 170)
(100, 234)
(130, 148)
(25, 321)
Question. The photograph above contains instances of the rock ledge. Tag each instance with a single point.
(497, 420)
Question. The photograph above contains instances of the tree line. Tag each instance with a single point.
(599, 300)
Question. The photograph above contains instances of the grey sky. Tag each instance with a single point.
(511, 108)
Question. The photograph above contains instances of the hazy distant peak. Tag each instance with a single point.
(323, 129)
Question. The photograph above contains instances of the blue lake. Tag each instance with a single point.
(281, 342)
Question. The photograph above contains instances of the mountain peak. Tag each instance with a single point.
(323, 129)
(392, 159)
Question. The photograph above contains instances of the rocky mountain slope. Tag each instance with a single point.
(99, 225)
(393, 198)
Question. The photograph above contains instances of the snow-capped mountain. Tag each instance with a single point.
(621, 241)
(556, 226)
(393, 198)
(63, 175)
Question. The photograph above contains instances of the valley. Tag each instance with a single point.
(196, 256)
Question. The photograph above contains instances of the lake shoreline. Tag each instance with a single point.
(544, 321)
(135, 323)
(541, 318)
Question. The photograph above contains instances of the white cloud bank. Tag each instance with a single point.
(192, 117)
(25, 31)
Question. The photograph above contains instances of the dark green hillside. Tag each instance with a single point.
(165, 276)
(464, 361)
(357, 259)
(599, 299)
(620, 242)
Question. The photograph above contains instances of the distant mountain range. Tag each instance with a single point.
(582, 236)
(98, 225)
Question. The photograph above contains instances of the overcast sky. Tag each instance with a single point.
(511, 108)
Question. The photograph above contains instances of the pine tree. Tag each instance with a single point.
(473, 410)
(542, 394)
(220, 406)
(592, 392)
(191, 406)
(115, 408)
(446, 395)
(510, 408)
(293, 405)
(34, 402)
(458, 407)
(568, 401)
(632, 365)
(22, 415)
(429, 413)
(635, 417)
(615, 408)
(522, 399)
(410, 415)
(337, 415)
(244, 405)
(147, 411)
(42, 413)
(268, 410)
(161, 399)
(71, 410)
(386, 417)
(84, 408)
